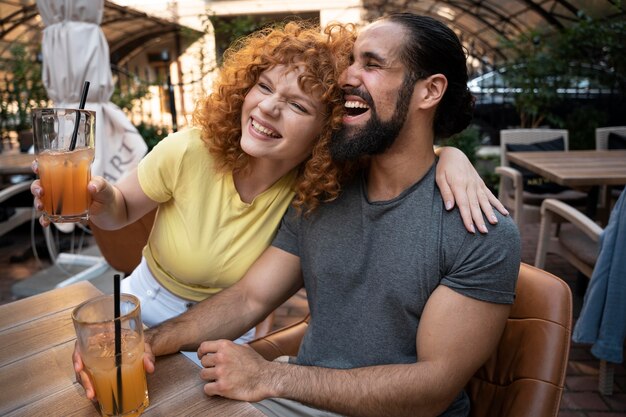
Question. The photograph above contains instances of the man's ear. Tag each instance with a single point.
(431, 90)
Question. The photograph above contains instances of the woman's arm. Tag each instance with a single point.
(112, 206)
(115, 206)
(460, 184)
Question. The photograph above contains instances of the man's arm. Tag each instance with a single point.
(269, 282)
(456, 335)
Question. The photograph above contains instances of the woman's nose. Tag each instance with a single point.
(269, 106)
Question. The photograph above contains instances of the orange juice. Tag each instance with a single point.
(64, 177)
(100, 363)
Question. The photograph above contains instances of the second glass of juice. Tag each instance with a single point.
(123, 392)
(64, 168)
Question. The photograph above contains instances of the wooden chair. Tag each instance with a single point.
(524, 203)
(568, 233)
(607, 196)
(602, 135)
(122, 250)
(525, 375)
(19, 215)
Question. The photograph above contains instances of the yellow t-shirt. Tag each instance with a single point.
(204, 237)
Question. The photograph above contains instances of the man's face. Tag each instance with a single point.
(378, 93)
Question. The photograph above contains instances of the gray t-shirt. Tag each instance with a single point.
(369, 268)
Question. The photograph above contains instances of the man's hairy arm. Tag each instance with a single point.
(456, 336)
(268, 283)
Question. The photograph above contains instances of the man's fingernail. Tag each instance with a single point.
(448, 205)
(494, 218)
(483, 228)
(472, 229)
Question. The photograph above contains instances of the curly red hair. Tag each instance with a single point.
(322, 57)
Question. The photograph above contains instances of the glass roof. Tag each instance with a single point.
(483, 24)
(126, 30)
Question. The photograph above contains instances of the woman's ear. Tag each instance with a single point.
(432, 90)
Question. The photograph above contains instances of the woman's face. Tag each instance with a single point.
(279, 121)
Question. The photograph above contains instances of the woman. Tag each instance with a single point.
(261, 143)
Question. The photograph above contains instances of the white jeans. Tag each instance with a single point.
(158, 304)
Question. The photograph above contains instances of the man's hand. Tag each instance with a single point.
(235, 371)
(83, 377)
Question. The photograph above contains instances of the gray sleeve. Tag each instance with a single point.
(485, 266)
(288, 232)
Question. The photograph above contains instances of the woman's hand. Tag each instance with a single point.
(460, 184)
(84, 379)
(102, 196)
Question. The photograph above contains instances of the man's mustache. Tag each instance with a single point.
(360, 93)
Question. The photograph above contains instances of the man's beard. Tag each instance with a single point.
(350, 143)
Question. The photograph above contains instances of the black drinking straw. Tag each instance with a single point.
(81, 106)
(118, 341)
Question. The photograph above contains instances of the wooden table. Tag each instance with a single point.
(37, 378)
(576, 169)
(18, 163)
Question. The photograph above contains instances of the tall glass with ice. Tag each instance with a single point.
(64, 170)
(94, 321)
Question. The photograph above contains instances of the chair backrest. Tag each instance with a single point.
(527, 136)
(602, 135)
(122, 248)
(566, 231)
(525, 375)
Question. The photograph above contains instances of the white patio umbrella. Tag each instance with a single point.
(75, 50)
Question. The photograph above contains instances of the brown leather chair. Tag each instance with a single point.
(525, 375)
(122, 249)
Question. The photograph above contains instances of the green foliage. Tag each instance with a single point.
(468, 141)
(486, 167)
(581, 124)
(532, 75)
(587, 50)
(151, 134)
(228, 30)
(596, 50)
(22, 90)
(127, 99)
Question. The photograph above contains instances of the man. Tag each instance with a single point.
(404, 305)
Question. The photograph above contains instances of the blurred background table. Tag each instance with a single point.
(586, 170)
(575, 168)
(16, 163)
(36, 375)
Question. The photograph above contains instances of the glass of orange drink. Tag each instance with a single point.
(64, 164)
(123, 392)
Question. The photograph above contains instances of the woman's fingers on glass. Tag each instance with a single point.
(35, 188)
(43, 221)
